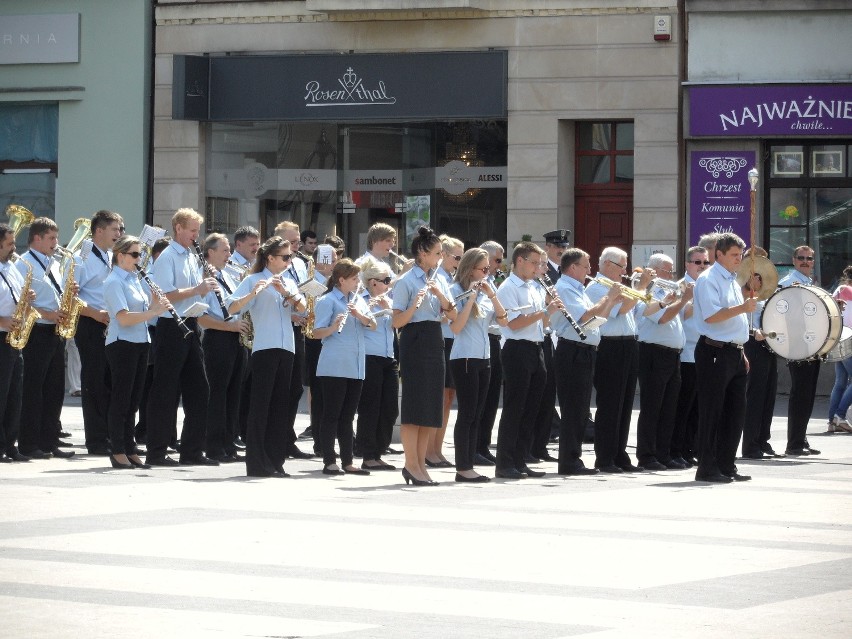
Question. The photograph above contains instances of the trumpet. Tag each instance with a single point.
(632, 293)
(545, 282)
(665, 287)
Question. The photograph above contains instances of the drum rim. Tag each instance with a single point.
(835, 322)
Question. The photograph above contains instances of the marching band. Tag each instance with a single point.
(235, 335)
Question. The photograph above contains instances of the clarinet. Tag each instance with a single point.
(157, 292)
(208, 271)
(346, 312)
(544, 280)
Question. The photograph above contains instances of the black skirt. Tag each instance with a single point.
(421, 367)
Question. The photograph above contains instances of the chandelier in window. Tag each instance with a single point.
(462, 151)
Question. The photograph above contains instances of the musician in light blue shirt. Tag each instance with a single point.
(341, 317)
(720, 363)
(470, 356)
(11, 359)
(270, 299)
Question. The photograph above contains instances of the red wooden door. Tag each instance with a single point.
(603, 220)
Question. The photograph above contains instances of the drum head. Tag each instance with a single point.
(843, 349)
(803, 320)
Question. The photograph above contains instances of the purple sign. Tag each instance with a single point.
(719, 193)
(808, 109)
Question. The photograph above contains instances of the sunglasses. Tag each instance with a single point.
(386, 281)
(134, 254)
(498, 260)
(700, 262)
(284, 256)
(805, 258)
(484, 269)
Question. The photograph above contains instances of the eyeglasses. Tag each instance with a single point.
(498, 260)
(805, 258)
(621, 266)
(526, 259)
(484, 269)
(700, 262)
(386, 281)
(134, 254)
(284, 256)
(457, 258)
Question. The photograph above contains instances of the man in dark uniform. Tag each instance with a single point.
(555, 244)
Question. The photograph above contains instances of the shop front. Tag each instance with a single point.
(337, 143)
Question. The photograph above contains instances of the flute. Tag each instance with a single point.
(208, 271)
(473, 290)
(425, 288)
(157, 292)
(346, 312)
(544, 280)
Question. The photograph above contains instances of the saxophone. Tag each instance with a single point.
(247, 338)
(310, 315)
(69, 303)
(25, 314)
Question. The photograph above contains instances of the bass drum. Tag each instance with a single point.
(806, 321)
(843, 350)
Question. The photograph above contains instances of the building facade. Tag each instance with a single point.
(75, 104)
(489, 119)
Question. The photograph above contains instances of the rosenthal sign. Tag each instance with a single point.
(352, 92)
(40, 39)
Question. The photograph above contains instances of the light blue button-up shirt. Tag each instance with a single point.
(472, 342)
(237, 267)
(618, 325)
(406, 289)
(494, 327)
(380, 341)
(794, 277)
(514, 293)
(9, 297)
(690, 330)
(651, 331)
(343, 354)
(298, 272)
(123, 292)
(446, 331)
(212, 302)
(715, 289)
(576, 302)
(272, 320)
(47, 297)
(91, 274)
(177, 268)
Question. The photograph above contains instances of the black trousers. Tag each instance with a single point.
(524, 374)
(471, 377)
(128, 365)
(266, 440)
(659, 386)
(722, 379)
(94, 380)
(178, 370)
(760, 396)
(616, 371)
(686, 419)
(574, 365)
(803, 376)
(44, 389)
(340, 397)
(296, 387)
(224, 362)
(492, 400)
(11, 387)
(313, 348)
(245, 398)
(378, 406)
(547, 407)
(142, 424)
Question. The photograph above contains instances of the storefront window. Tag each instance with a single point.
(341, 178)
(810, 203)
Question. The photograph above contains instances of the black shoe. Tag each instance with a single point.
(577, 469)
(38, 454)
(62, 454)
(63, 434)
(738, 477)
(308, 433)
(532, 473)
(652, 465)
(380, 465)
(101, 451)
(239, 444)
(754, 455)
(295, 453)
(201, 460)
(225, 459)
(18, 457)
(510, 473)
(165, 460)
(613, 469)
(768, 451)
(356, 471)
(392, 451)
(529, 458)
(546, 456)
(117, 464)
(481, 460)
(4, 459)
(812, 451)
(683, 462)
(674, 464)
(479, 479)
(797, 452)
(280, 474)
(139, 464)
(691, 460)
(487, 454)
(630, 468)
(408, 477)
(328, 470)
(715, 478)
(440, 464)
(62, 444)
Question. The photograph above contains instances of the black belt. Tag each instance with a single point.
(524, 341)
(717, 344)
(632, 338)
(668, 348)
(579, 344)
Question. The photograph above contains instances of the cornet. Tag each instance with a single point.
(626, 292)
